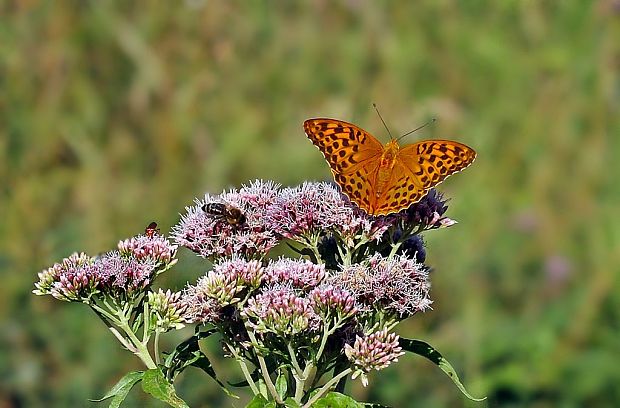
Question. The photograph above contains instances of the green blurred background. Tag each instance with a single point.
(113, 115)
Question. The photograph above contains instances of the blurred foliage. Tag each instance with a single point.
(114, 114)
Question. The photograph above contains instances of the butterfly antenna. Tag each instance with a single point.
(418, 128)
(374, 105)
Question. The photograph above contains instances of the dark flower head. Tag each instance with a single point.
(212, 235)
(412, 246)
(398, 284)
(301, 274)
(72, 279)
(328, 250)
(428, 212)
(280, 310)
(373, 352)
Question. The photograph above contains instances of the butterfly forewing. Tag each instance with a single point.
(432, 161)
(352, 154)
(345, 146)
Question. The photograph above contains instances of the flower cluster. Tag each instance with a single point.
(282, 311)
(332, 230)
(375, 351)
(332, 300)
(167, 310)
(127, 271)
(72, 279)
(333, 308)
(155, 247)
(211, 234)
(302, 212)
(301, 274)
(358, 266)
(398, 285)
(229, 279)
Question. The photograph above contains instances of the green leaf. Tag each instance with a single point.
(337, 400)
(281, 385)
(291, 403)
(120, 390)
(202, 362)
(155, 384)
(188, 354)
(257, 402)
(426, 350)
(175, 361)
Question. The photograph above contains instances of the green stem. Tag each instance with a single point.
(141, 350)
(298, 374)
(294, 362)
(326, 388)
(147, 324)
(326, 333)
(244, 369)
(395, 248)
(121, 320)
(104, 315)
(263, 368)
(156, 346)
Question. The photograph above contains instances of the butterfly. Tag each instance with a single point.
(232, 215)
(384, 179)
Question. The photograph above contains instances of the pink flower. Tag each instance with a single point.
(212, 235)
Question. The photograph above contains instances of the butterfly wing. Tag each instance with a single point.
(400, 192)
(352, 154)
(419, 167)
(432, 161)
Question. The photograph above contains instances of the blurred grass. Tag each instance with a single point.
(115, 114)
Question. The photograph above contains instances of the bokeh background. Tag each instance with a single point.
(114, 114)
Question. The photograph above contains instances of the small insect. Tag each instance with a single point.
(227, 212)
(151, 230)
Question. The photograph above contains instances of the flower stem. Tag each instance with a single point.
(244, 368)
(326, 388)
(263, 368)
(156, 346)
(298, 374)
(141, 350)
(120, 318)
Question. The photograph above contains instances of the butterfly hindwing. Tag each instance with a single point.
(402, 192)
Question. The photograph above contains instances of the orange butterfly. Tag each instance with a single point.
(384, 179)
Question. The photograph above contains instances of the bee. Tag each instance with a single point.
(226, 212)
(151, 230)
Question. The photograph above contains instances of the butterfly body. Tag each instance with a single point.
(388, 160)
(384, 179)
